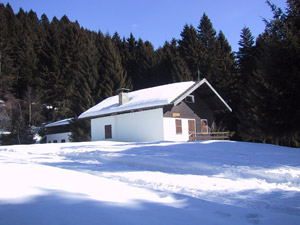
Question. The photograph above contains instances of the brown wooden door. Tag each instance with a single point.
(178, 124)
(192, 130)
(108, 133)
(204, 126)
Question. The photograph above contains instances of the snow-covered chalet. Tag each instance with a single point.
(59, 131)
(172, 112)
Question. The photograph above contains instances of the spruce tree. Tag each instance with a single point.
(191, 49)
(80, 130)
(225, 76)
(86, 78)
(164, 62)
(245, 55)
(207, 38)
(112, 73)
(145, 64)
(278, 77)
(130, 58)
(207, 33)
(226, 80)
(121, 45)
(7, 71)
(50, 69)
(26, 59)
(248, 127)
(179, 70)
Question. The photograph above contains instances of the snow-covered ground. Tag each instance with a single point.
(210, 182)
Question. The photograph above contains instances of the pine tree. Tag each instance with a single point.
(225, 76)
(121, 45)
(86, 78)
(179, 70)
(164, 57)
(25, 54)
(112, 73)
(130, 58)
(71, 59)
(207, 33)
(80, 130)
(278, 77)
(85, 81)
(207, 38)
(191, 49)
(10, 28)
(145, 64)
(225, 79)
(7, 71)
(245, 55)
(50, 69)
(248, 125)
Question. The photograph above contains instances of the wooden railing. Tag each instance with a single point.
(211, 136)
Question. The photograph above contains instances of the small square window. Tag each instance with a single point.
(63, 141)
(54, 141)
(190, 99)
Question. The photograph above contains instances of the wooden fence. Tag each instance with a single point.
(211, 136)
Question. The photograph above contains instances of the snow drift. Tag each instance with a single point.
(210, 182)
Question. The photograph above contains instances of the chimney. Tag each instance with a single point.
(123, 96)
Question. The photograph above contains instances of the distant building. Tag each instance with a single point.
(59, 131)
(173, 112)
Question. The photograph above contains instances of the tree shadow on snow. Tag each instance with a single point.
(58, 207)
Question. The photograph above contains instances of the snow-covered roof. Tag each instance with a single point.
(59, 123)
(147, 98)
(4, 131)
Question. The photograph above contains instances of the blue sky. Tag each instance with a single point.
(156, 20)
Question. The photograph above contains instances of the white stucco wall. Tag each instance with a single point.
(138, 126)
(170, 129)
(58, 137)
(97, 128)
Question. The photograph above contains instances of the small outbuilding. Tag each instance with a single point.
(59, 131)
(172, 112)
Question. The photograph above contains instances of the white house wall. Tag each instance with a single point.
(170, 129)
(138, 126)
(58, 137)
(97, 128)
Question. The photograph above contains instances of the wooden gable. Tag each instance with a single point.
(198, 110)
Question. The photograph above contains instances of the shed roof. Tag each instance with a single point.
(153, 97)
(59, 123)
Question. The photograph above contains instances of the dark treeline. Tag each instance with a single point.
(55, 70)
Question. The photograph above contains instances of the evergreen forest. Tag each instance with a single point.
(51, 70)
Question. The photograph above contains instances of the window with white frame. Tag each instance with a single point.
(190, 99)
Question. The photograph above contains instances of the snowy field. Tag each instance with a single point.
(212, 182)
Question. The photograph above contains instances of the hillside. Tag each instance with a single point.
(212, 182)
(52, 69)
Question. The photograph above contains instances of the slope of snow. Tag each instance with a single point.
(209, 182)
(149, 97)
